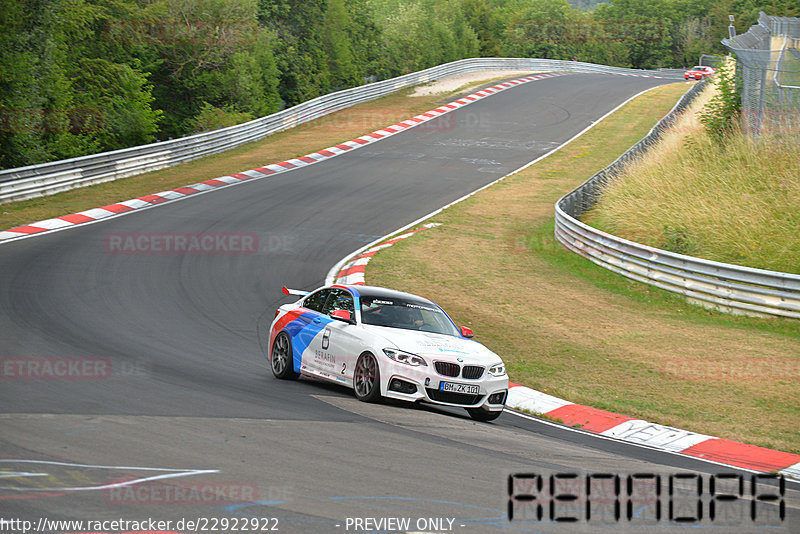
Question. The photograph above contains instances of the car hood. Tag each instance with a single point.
(436, 346)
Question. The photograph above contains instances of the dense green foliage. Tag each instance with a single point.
(720, 117)
(82, 76)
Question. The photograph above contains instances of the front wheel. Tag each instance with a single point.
(482, 414)
(282, 360)
(367, 379)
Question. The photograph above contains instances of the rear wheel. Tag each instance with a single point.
(482, 414)
(282, 360)
(367, 378)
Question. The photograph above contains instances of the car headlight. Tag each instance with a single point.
(498, 369)
(405, 357)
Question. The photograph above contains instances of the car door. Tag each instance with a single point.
(306, 330)
(336, 350)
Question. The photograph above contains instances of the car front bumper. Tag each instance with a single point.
(489, 392)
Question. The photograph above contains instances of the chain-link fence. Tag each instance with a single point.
(711, 61)
(769, 64)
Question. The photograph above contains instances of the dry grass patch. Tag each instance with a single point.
(579, 332)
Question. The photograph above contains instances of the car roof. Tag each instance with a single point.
(384, 292)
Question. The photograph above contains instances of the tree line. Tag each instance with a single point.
(83, 76)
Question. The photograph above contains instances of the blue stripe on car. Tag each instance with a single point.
(302, 331)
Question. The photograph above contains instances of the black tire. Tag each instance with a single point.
(482, 414)
(367, 379)
(281, 361)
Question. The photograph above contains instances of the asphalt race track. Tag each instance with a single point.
(172, 414)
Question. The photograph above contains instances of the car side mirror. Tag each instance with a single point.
(466, 332)
(343, 315)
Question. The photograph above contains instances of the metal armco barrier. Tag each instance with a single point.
(727, 287)
(48, 178)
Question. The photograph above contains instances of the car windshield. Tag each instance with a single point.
(396, 312)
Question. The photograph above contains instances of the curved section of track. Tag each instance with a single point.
(176, 375)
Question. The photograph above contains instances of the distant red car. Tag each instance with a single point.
(698, 73)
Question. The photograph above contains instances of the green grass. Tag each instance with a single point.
(668, 302)
(738, 202)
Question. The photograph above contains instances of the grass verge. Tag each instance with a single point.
(735, 202)
(579, 332)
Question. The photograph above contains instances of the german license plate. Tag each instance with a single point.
(470, 389)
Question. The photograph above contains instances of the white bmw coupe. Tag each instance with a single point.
(386, 343)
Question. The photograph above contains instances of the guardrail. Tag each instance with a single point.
(730, 288)
(48, 178)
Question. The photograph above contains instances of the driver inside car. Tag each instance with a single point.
(416, 318)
